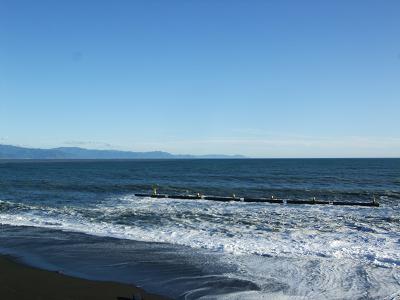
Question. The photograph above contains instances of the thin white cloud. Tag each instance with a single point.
(255, 144)
(92, 144)
(284, 146)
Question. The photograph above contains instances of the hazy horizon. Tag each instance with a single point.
(212, 155)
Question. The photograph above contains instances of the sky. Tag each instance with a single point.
(257, 78)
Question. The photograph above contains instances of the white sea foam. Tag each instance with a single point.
(313, 251)
(239, 228)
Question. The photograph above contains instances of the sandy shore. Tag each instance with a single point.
(18, 281)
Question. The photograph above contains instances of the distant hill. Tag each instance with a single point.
(14, 152)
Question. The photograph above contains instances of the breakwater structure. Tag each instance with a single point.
(272, 199)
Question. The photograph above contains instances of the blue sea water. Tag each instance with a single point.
(82, 217)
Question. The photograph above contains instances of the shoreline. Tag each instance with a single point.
(20, 281)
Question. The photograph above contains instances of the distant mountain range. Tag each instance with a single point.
(14, 152)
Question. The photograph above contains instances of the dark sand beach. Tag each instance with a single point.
(18, 281)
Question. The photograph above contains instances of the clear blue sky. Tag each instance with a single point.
(259, 78)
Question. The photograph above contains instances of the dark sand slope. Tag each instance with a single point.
(22, 282)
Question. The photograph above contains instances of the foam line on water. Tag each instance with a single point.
(364, 234)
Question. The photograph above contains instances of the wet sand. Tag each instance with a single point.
(18, 281)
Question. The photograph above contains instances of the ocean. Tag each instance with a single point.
(83, 219)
